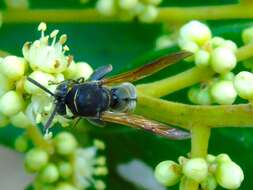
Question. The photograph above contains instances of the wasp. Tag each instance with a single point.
(111, 99)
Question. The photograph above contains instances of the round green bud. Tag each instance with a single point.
(11, 103)
(65, 169)
(229, 175)
(209, 183)
(229, 44)
(5, 84)
(243, 84)
(193, 94)
(83, 70)
(65, 143)
(202, 58)
(20, 120)
(247, 35)
(168, 173)
(127, 4)
(65, 186)
(223, 92)
(99, 185)
(204, 97)
(13, 67)
(149, 14)
(106, 7)
(216, 42)
(223, 60)
(36, 159)
(49, 174)
(42, 78)
(196, 169)
(228, 76)
(223, 158)
(164, 41)
(195, 31)
(21, 143)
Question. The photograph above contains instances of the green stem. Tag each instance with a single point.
(38, 139)
(186, 116)
(52, 15)
(199, 141)
(174, 83)
(170, 14)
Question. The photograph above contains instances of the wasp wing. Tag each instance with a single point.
(148, 69)
(139, 122)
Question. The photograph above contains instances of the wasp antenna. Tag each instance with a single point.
(40, 86)
(50, 119)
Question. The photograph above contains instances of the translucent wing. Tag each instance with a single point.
(100, 72)
(140, 122)
(148, 69)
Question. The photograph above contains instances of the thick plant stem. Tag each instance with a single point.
(37, 138)
(168, 14)
(171, 84)
(205, 13)
(244, 52)
(185, 116)
(199, 143)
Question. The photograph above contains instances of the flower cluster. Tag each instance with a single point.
(209, 172)
(21, 102)
(68, 166)
(144, 10)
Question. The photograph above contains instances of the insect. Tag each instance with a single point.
(99, 100)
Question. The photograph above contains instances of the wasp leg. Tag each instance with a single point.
(100, 72)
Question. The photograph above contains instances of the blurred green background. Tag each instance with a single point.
(126, 46)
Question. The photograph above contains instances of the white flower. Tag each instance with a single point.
(46, 57)
(243, 84)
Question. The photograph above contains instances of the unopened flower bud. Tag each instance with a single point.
(247, 35)
(11, 103)
(65, 143)
(49, 174)
(223, 92)
(106, 7)
(229, 175)
(65, 169)
(13, 67)
(229, 44)
(196, 169)
(21, 143)
(168, 173)
(36, 159)
(217, 42)
(243, 84)
(223, 60)
(149, 14)
(195, 31)
(223, 158)
(202, 58)
(42, 78)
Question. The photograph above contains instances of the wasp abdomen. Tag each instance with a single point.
(123, 97)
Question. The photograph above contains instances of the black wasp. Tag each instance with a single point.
(99, 100)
